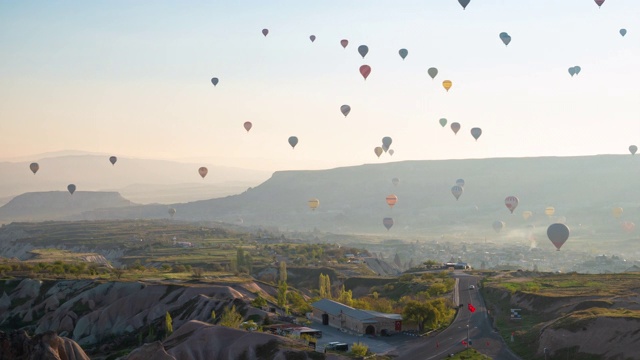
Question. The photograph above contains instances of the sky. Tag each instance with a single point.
(133, 79)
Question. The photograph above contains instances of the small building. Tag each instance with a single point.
(341, 316)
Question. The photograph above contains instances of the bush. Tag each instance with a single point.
(359, 349)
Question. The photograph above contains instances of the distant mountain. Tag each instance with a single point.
(59, 205)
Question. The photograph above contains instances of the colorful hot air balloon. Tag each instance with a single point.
(558, 234)
(455, 127)
(395, 181)
(617, 211)
(527, 214)
(457, 190)
(403, 53)
(447, 84)
(313, 203)
(443, 122)
(633, 149)
(113, 160)
(391, 152)
(433, 72)
(265, 32)
(628, 226)
(344, 43)
(34, 167)
(172, 212)
(511, 202)
(365, 70)
(247, 125)
(460, 182)
(387, 222)
(506, 39)
(386, 142)
(378, 151)
(464, 3)
(392, 200)
(599, 2)
(345, 110)
(363, 50)
(214, 81)
(498, 225)
(71, 188)
(293, 141)
(312, 38)
(476, 132)
(549, 211)
(623, 32)
(203, 171)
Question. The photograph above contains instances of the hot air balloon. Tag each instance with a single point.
(476, 132)
(572, 71)
(599, 2)
(617, 211)
(386, 142)
(623, 32)
(71, 188)
(345, 110)
(506, 39)
(378, 151)
(460, 182)
(549, 211)
(365, 70)
(511, 202)
(387, 222)
(455, 127)
(527, 214)
(403, 53)
(385, 148)
(498, 225)
(633, 149)
(313, 204)
(172, 212)
(628, 226)
(577, 69)
(265, 32)
(344, 43)
(293, 141)
(447, 84)
(558, 234)
(392, 200)
(443, 122)
(113, 160)
(34, 167)
(395, 181)
(457, 190)
(247, 125)
(464, 3)
(391, 152)
(433, 72)
(312, 38)
(214, 81)
(363, 50)
(203, 171)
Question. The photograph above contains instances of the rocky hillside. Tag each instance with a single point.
(18, 345)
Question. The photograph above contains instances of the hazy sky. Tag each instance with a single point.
(132, 78)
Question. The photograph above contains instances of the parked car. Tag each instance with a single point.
(471, 287)
(338, 346)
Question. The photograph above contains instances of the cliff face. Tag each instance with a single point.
(46, 346)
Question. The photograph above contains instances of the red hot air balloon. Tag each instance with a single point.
(365, 70)
(265, 32)
(387, 222)
(628, 226)
(344, 43)
(203, 171)
(392, 200)
(599, 2)
(511, 202)
(248, 125)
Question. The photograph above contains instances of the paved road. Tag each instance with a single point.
(476, 325)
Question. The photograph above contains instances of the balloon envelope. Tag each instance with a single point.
(387, 222)
(549, 211)
(71, 188)
(113, 160)
(312, 38)
(214, 81)
(433, 72)
(443, 122)
(265, 32)
(344, 43)
(365, 70)
(172, 212)
(455, 127)
(599, 2)
(558, 234)
(464, 3)
(403, 53)
(505, 39)
(633, 149)
(391, 152)
(247, 125)
(457, 190)
(386, 141)
(617, 211)
(511, 202)
(498, 225)
(293, 141)
(572, 71)
(476, 132)
(313, 204)
(577, 69)
(345, 110)
(628, 226)
(447, 84)
(527, 214)
(395, 181)
(623, 32)
(378, 151)
(363, 50)
(392, 200)
(34, 167)
(460, 182)
(203, 171)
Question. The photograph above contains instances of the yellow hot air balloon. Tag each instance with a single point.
(527, 214)
(617, 211)
(447, 84)
(549, 211)
(313, 203)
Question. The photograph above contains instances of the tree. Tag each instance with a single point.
(282, 294)
(231, 318)
(324, 286)
(259, 302)
(359, 349)
(198, 272)
(345, 297)
(213, 316)
(240, 260)
(282, 273)
(419, 312)
(168, 324)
